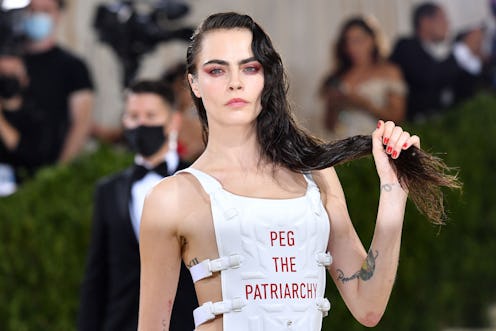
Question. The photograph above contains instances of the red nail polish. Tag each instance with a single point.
(389, 150)
(386, 140)
(404, 146)
(378, 124)
(395, 154)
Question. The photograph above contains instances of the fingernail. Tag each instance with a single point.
(378, 124)
(405, 146)
(386, 140)
(389, 150)
(395, 154)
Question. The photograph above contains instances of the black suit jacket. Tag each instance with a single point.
(427, 78)
(110, 288)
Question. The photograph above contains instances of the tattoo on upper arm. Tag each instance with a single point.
(366, 271)
(193, 262)
(164, 325)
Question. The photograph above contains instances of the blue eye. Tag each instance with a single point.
(252, 69)
(215, 71)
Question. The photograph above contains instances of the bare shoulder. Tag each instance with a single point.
(334, 200)
(169, 202)
(329, 185)
(391, 71)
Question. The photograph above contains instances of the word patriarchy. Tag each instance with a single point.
(271, 291)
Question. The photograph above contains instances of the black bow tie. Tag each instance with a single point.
(140, 171)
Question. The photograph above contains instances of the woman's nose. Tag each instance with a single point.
(235, 82)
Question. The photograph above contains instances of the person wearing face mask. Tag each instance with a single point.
(110, 289)
(22, 143)
(60, 82)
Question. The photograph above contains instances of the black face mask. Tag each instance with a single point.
(145, 140)
(9, 86)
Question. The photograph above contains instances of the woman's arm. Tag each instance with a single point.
(395, 107)
(160, 251)
(364, 279)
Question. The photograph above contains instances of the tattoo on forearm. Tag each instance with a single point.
(366, 271)
(193, 262)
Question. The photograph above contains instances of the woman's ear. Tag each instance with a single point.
(194, 85)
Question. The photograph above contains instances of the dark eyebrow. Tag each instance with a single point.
(225, 63)
(251, 59)
(221, 62)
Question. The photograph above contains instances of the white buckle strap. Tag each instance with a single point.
(324, 259)
(209, 310)
(323, 305)
(207, 267)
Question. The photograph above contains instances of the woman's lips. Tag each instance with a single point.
(236, 102)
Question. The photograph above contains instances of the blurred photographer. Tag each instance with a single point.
(60, 81)
(23, 145)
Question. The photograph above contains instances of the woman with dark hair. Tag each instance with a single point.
(363, 87)
(258, 215)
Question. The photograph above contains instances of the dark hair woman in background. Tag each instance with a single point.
(258, 215)
(364, 86)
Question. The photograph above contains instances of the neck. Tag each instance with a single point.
(363, 64)
(426, 37)
(42, 45)
(158, 157)
(234, 147)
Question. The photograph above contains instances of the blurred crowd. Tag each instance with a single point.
(46, 118)
(47, 93)
(425, 74)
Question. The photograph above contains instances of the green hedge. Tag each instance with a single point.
(446, 274)
(44, 232)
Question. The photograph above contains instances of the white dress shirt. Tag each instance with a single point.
(141, 187)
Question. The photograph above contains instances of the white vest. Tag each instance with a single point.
(272, 260)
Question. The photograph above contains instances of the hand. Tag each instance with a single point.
(474, 40)
(388, 141)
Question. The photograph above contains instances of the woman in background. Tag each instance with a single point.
(364, 86)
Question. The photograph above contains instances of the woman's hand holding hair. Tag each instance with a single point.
(388, 141)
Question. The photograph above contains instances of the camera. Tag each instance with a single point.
(132, 29)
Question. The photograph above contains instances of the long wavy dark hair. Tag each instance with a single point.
(284, 143)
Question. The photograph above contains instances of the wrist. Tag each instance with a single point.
(389, 186)
(388, 178)
(393, 186)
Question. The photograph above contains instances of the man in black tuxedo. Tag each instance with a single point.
(110, 289)
(428, 63)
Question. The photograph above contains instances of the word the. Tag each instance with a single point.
(284, 264)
